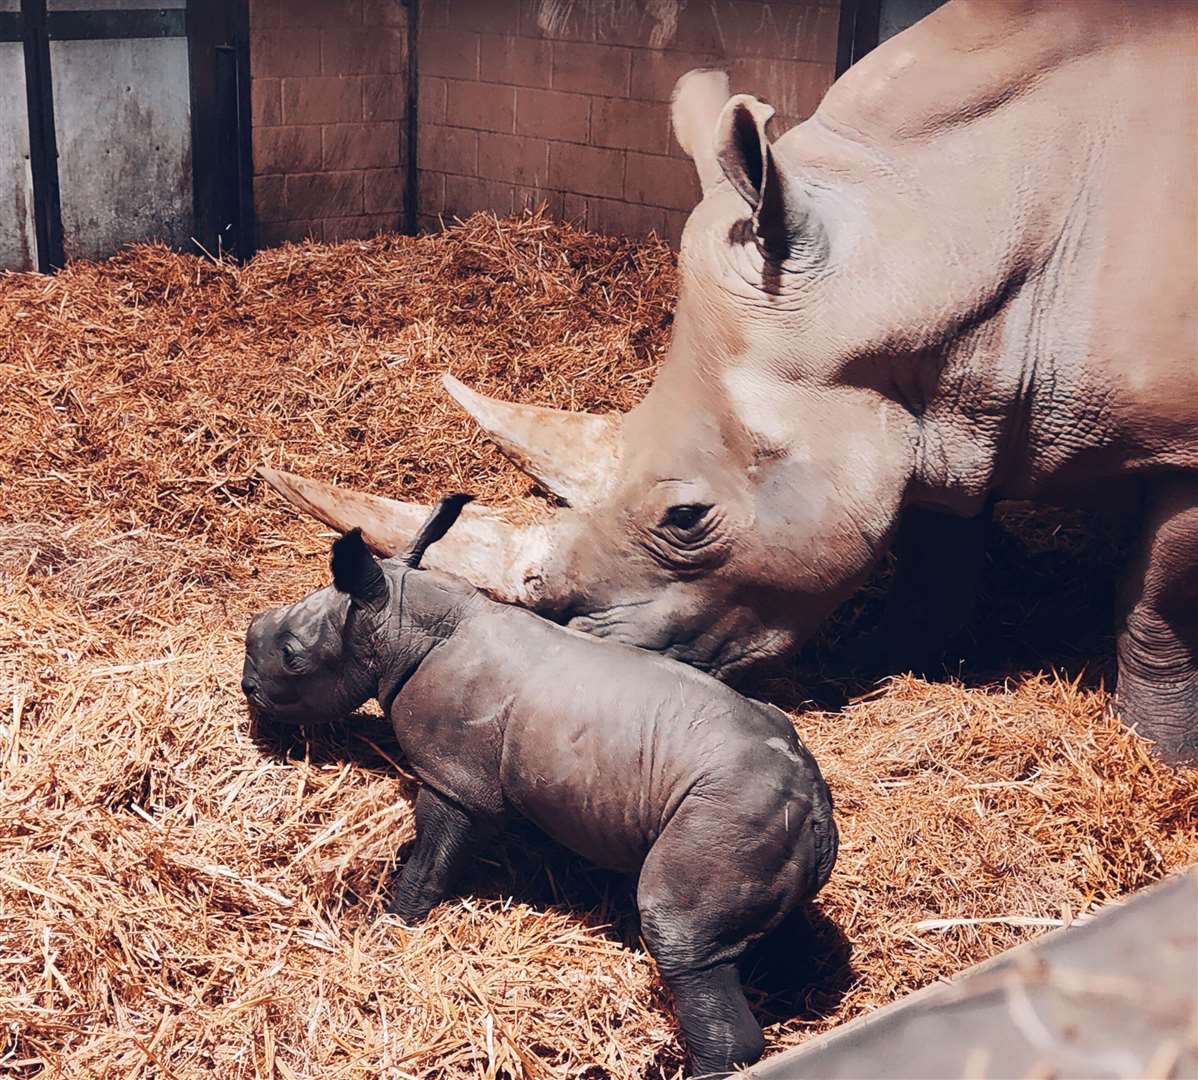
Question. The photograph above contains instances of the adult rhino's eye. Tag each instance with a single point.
(689, 539)
(684, 517)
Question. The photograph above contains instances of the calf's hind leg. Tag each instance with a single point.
(442, 831)
(720, 1032)
(1157, 689)
(707, 891)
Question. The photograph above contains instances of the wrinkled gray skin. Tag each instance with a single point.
(969, 276)
(632, 760)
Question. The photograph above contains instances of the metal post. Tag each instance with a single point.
(410, 207)
(247, 239)
(43, 144)
(221, 150)
(859, 22)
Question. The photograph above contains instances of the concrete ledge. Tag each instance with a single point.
(1114, 998)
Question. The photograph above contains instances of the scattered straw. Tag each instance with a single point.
(181, 896)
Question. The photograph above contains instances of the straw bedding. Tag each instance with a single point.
(182, 896)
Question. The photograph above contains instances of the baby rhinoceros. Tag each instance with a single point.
(630, 759)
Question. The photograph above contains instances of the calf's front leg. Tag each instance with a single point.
(443, 830)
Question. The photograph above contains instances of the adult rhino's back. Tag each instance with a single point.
(1066, 159)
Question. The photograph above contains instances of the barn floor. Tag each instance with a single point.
(182, 896)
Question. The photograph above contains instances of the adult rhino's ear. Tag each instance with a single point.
(744, 154)
(356, 572)
(695, 106)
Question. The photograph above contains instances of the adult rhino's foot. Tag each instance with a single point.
(1157, 691)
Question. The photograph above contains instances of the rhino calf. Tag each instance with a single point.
(632, 760)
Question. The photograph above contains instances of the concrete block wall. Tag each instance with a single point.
(566, 102)
(329, 102)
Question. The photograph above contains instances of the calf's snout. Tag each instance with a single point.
(249, 679)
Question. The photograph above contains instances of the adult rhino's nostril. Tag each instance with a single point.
(249, 686)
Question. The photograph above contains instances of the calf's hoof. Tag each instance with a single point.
(720, 1032)
(728, 1063)
(409, 910)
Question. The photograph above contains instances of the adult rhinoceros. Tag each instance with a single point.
(969, 276)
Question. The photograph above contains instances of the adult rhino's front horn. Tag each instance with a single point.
(503, 559)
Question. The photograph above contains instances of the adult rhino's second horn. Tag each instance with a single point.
(573, 455)
(491, 553)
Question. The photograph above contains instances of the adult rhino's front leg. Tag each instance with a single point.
(1157, 691)
(443, 830)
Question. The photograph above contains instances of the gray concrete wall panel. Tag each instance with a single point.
(18, 242)
(123, 119)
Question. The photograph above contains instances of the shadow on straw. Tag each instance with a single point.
(1046, 601)
(801, 971)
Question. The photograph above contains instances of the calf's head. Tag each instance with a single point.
(758, 481)
(320, 658)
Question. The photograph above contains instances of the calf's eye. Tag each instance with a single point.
(685, 516)
(291, 655)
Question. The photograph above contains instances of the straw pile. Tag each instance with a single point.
(181, 896)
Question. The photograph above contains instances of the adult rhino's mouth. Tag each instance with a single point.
(617, 624)
(721, 654)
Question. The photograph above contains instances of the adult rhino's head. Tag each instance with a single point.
(757, 483)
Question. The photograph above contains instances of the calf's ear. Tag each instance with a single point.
(356, 572)
(439, 522)
(744, 153)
